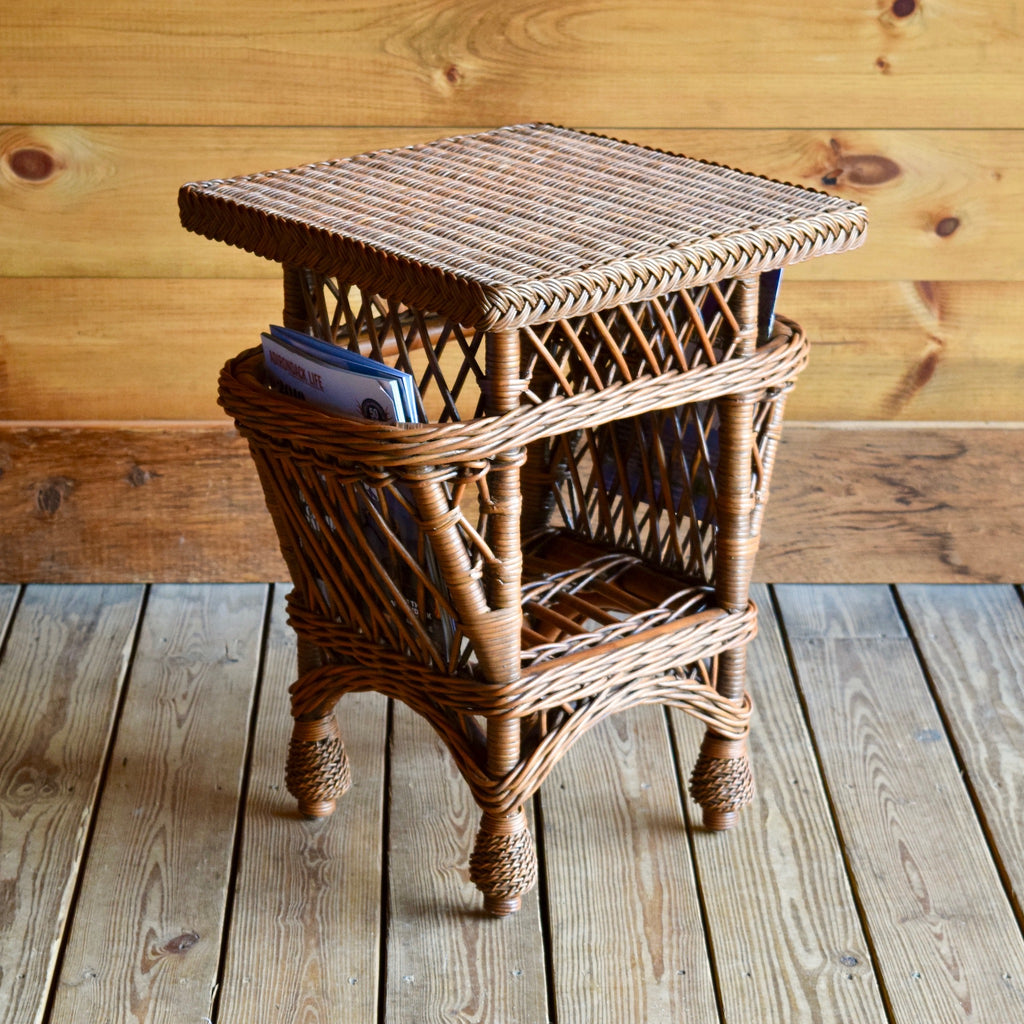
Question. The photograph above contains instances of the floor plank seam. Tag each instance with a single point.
(127, 667)
(8, 627)
(385, 868)
(543, 899)
(681, 774)
(841, 837)
(962, 767)
(861, 887)
(243, 803)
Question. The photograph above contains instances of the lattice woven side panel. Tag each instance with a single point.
(361, 554)
(679, 331)
(445, 359)
(364, 554)
(648, 484)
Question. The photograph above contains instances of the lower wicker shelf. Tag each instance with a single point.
(602, 632)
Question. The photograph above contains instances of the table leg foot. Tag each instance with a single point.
(503, 864)
(722, 782)
(317, 772)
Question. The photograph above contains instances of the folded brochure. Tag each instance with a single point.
(333, 379)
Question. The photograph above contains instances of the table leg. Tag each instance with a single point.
(722, 781)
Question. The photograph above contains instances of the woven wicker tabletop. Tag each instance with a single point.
(522, 224)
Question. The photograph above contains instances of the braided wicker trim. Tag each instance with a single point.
(317, 771)
(698, 701)
(522, 224)
(722, 780)
(637, 280)
(652, 656)
(501, 795)
(503, 864)
(276, 422)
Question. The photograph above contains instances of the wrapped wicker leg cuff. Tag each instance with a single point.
(503, 864)
(722, 782)
(317, 772)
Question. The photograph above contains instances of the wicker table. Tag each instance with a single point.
(572, 533)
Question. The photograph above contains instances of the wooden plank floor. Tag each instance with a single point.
(152, 867)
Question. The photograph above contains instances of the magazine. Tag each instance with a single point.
(334, 379)
(767, 296)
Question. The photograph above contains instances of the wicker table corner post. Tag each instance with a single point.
(571, 530)
(503, 864)
(722, 781)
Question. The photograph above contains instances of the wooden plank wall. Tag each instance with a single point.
(115, 462)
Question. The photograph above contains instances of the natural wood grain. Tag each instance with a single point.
(626, 936)
(100, 200)
(788, 945)
(448, 961)
(114, 350)
(107, 205)
(902, 350)
(793, 914)
(305, 927)
(946, 942)
(972, 640)
(8, 597)
(160, 502)
(938, 199)
(61, 674)
(108, 375)
(840, 613)
(442, 63)
(865, 503)
(910, 107)
(180, 502)
(146, 939)
(916, 351)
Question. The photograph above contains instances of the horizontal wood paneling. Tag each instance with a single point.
(866, 503)
(931, 504)
(909, 350)
(110, 312)
(662, 62)
(152, 503)
(104, 349)
(101, 200)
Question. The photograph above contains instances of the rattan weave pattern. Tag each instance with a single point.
(380, 445)
(522, 224)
